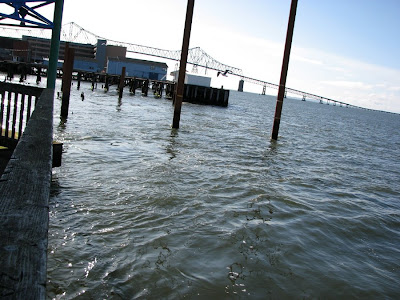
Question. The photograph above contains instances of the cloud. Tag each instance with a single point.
(335, 69)
(394, 88)
(348, 84)
(345, 79)
(307, 60)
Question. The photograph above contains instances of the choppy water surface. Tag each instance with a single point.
(215, 209)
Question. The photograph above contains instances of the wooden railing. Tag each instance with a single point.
(16, 106)
(25, 192)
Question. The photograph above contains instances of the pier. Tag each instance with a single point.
(25, 191)
(27, 119)
(193, 93)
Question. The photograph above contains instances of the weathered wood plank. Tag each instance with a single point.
(14, 116)
(8, 115)
(29, 109)
(2, 107)
(24, 196)
(12, 96)
(21, 115)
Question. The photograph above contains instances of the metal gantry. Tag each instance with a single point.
(25, 12)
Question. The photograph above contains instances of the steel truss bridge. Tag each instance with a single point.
(197, 57)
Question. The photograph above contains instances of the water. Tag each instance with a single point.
(215, 210)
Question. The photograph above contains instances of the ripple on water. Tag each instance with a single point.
(215, 209)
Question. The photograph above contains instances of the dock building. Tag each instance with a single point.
(193, 79)
(99, 58)
(137, 68)
(39, 49)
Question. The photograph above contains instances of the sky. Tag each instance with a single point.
(345, 50)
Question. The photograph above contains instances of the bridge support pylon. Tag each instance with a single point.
(241, 84)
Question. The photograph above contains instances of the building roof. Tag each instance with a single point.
(39, 39)
(176, 74)
(138, 61)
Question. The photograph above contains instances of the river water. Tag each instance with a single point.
(216, 210)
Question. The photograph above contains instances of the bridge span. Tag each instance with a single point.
(197, 57)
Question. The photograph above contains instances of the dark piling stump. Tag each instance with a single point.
(131, 86)
(106, 86)
(145, 87)
(93, 81)
(10, 72)
(160, 90)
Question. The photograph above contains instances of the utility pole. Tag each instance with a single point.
(182, 68)
(285, 65)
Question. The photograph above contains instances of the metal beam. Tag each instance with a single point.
(55, 44)
(27, 15)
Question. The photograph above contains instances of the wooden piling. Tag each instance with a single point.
(106, 86)
(169, 90)
(39, 77)
(145, 88)
(160, 89)
(10, 72)
(79, 80)
(57, 154)
(132, 86)
(285, 66)
(182, 67)
(67, 79)
(64, 67)
(122, 82)
(93, 78)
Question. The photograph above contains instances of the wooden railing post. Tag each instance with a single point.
(15, 110)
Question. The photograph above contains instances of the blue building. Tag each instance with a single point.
(103, 58)
(80, 64)
(137, 68)
(88, 65)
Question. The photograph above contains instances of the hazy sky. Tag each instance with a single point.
(343, 49)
